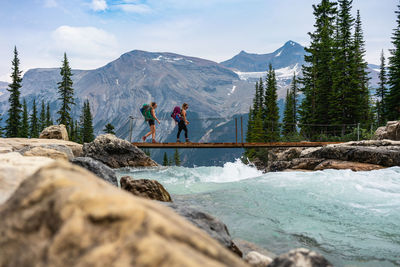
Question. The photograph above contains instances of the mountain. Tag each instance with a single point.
(290, 54)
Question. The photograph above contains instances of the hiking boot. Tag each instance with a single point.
(144, 139)
(178, 141)
(187, 140)
(154, 141)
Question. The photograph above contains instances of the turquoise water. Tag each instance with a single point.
(352, 218)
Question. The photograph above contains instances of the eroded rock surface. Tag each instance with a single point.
(391, 131)
(300, 257)
(55, 132)
(150, 189)
(65, 216)
(116, 153)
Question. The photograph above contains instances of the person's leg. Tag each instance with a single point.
(153, 132)
(186, 131)
(179, 130)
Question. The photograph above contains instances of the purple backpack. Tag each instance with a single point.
(176, 114)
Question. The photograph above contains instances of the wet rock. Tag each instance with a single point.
(300, 257)
(246, 247)
(98, 168)
(346, 165)
(211, 225)
(46, 152)
(14, 168)
(256, 259)
(116, 153)
(391, 131)
(63, 215)
(150, 189)
(55, 132)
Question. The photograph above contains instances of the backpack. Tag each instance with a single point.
(146, 112)
(176, 114)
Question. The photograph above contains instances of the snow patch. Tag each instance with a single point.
(116, 81)
(170, 60)
(280, 52)
(233, 89)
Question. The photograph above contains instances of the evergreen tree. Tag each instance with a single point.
(49, 120)
(34, 126)
(381, 93)
(271, 121)
(393, 98)
(42, 117)
(13, 122)
(177, 158)
(165, 160)
(87, 123)
(289, 115)
(317, 72)
(66, 93)
(24, 131)
(109, 128)
(360, 88)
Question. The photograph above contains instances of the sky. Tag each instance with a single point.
(95, 32)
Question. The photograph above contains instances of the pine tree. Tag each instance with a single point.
(177, 158)
(381, 93)
(271, 121)
(66, 93)
(165, 160)
(109, 128)
(24, 131)
(360, 88)
(393, 98)
(317, 72)
(13, 122)
(42, 117)
(87, 123)
(289, 120)
(49, 120)
(34, 126)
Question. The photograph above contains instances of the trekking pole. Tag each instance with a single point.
(236, 129)
(130, 128)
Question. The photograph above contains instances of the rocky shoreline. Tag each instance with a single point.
(62, 214)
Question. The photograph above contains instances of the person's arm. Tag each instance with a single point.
(184, 117)
(153, 113)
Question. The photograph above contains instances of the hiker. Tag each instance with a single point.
(182, 123)
(151, 117)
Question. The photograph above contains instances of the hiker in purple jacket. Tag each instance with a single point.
(182, 123)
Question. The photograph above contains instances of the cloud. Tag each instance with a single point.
(131, 8)
(50, 3)
(88, 46)
(99, 5)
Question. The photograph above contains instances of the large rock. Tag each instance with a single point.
(256, 259)
(214, 227)
(150, 189)
(346, 165)
(116, 153)
(55, 132)
(46, 152)
(65, 216)
(98, 168)
(14, 168)
(300, 257)
(391, 131)
(22, 145)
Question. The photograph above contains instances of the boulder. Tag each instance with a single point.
(346, 165)
(150, 189)
(55, 132)
(116, 153)
(391, 131)
(63, 215)
(22, 145)
(211, 225)
(256, 259)
(46, 152)
(300, 257)
(14, 168)
(98, 168)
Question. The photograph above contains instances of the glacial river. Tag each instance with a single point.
(352, 218)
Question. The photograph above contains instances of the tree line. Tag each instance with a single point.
(334, 87)
(21, 123)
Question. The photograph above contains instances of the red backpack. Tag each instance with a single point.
(176, 114)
